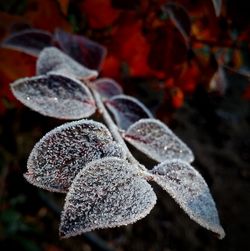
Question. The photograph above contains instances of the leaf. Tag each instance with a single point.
(30, 41)
(190, 191)
(83, 50)
(217, 6)
(107, 193)
(63, 152)
(55, 96)
(64, 6)
(180, 18)
(157, 141)
(99, 14)
(52, 59)
(127, 110)
(107, 87)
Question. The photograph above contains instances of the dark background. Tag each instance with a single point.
(149, 58)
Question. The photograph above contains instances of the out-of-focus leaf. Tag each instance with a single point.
(100, 14)
(55, 95)
(63, 152)
(217, 6)
(157, 141)
(232, 86)
(179, 17)
(107, 87)
(190, 191)
(29, 41)
(107, 193)
(127, 110)
(64, 5)
(83, 50)
(52, 59)
(169, 43)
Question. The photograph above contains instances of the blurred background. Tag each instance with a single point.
(189, 62)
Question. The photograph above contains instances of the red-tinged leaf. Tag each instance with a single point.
(80, 48)
(99, 13)
(180, 18)
(107, 193)
(64, 5)
(125, 4)
(157, 141)
(57, 158)
(167, 42)
(190, 191)
(55, 95)
(45, 15)
(127, 110)
(107, 87)
(177, 97)
(217, 6)
(133, 47)
(111, 67)
(52, 59)
(29, 41)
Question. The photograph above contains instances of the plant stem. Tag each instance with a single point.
(114, 130)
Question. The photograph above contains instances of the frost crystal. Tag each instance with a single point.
(63, 152)
(107, 87)
(30, 41)
(127, 110)
(190, 191)
(157, 141)
(107, 193)
(52, 59)
(55, 95)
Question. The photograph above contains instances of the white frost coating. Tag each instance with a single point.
(127, 110)
(55, 95)
(107, 193)
(52, 59)
(63, 152)
(157, 141)
(107, 87)
(190, 191)
(30, 41)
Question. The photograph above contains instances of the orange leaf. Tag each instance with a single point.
(64, 5)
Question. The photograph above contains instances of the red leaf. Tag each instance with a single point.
(99, 13)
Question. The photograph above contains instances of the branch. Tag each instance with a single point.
(113, 129)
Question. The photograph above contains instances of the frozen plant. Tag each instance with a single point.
(105, 185)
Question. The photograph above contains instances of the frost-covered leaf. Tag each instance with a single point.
(83, 50)
(190, 191)
(127, 110)
(107, 87)
(29, 41)
(179, 16)
(63, 152)
(217, 6)
(157, 141)
(107, 193)
(52, 59)
(55, 95)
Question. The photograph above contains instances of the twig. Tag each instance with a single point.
(114, 130)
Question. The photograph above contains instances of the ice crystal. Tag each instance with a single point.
(55, 95)
(127, 110)
(157, 141)
(107, 193)
(63, 152)
(190, 191)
